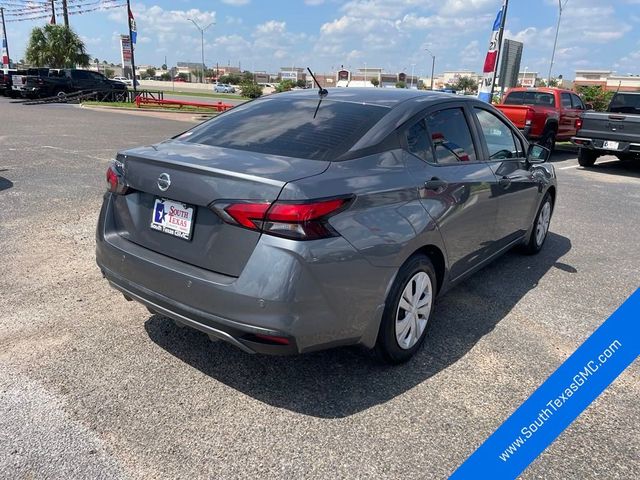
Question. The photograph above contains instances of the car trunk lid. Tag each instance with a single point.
(199, 175)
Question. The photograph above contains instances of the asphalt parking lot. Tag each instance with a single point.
(93, 386)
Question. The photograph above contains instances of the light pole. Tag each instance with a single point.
(413, 66)
(555, 42)
(524, 77)
(433, 65)
(202, 40)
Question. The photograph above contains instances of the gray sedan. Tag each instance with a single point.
(304, 220)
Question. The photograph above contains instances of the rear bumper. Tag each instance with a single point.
(316, 294)
(592, 143)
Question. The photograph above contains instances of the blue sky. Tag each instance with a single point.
(392, 34)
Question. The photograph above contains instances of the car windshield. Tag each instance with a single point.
(530, 98)
(625, 103)
(290, 127)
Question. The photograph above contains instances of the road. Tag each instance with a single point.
(93, 386)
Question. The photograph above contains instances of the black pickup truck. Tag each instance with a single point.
(62, 82)
(614, 132)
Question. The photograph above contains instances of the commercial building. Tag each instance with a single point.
(608, 80)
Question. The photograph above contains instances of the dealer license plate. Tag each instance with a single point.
(172, 218)
(610, 145)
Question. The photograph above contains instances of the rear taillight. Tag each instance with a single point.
(296, 220)
(529, 118)
(578, 123)
(115, 179)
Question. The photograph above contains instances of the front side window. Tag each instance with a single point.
(497, 134)
(451, 137)
(577, 102)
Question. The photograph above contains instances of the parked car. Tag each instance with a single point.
(62, 82)
(616, 132)
(337, 224)
(6, 82)
(223, 88)
(127, 81)
(544, 115)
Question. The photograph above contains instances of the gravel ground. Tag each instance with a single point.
(93, 386)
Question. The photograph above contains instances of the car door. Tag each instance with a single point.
(454, 186)
(568, 116)
(517, 188)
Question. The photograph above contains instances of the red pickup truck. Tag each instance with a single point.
(544, 115)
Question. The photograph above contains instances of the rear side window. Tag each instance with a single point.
(530, 98)
(450, 136)
(291, 127)
(566, 100)
(625, 103)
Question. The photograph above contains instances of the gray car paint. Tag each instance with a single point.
(331, 291)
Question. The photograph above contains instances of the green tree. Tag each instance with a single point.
(151, 72)
(285, 86)
(109, 72)
(250, 89)
(301, 83)
(401, 85)
(466, 84)
(247, 76)
(375, 82)
(183, 76)
(165, 76)
(595, 95)
(554, 82)
(56, 46)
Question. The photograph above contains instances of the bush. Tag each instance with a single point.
(401, 85)
(285, 86)
(251, 90)
(595, 95)
(301, 84)
(165, 76)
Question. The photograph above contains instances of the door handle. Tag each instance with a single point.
(435, 184)
(504, 182)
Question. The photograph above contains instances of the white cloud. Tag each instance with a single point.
(236, 3)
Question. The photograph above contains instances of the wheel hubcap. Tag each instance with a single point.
(414, 309)
(542, 226)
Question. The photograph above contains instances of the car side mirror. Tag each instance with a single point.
(537, 154)
(588, 106)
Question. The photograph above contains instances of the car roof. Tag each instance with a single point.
(384, 97)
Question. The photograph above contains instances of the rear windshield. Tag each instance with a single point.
(290, 127)
(530, 98)
(625, 103)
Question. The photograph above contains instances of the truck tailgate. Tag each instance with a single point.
(620, 127)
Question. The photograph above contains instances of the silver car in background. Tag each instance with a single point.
(303, 221)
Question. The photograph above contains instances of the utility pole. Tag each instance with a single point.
(65, 13)
(433, 65)
(53, 13)
(5, 44)
(555, 42)
(133, 61)
(202, 40)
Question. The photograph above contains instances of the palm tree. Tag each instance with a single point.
(56, 46)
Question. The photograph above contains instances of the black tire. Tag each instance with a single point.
(534, 244)
(387, 346)
(548, 140)
(586, 157)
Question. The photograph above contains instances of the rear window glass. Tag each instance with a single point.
(290, 127)
(530, 98)
(625, 103)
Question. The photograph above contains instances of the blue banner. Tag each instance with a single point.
(560, 399)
